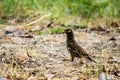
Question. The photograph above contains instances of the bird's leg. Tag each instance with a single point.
(80, 61)
(72, 58)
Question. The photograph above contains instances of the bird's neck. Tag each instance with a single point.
(70, 36)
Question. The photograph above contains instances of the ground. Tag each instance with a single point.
(41, 56)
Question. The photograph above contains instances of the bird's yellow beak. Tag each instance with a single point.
(63, 31)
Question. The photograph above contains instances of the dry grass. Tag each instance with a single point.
(21, 58)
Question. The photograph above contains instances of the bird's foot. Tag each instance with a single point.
(80, 62)
(65, 59)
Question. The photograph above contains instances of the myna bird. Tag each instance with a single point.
(74, 49)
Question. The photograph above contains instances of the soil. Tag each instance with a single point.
(40, 57)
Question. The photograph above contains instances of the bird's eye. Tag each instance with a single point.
(69, 30)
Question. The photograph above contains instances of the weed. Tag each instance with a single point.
(51, 30)
(59, 8)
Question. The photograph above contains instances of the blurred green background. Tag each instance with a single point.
(23, 9)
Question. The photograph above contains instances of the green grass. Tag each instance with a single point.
(65, 11)
(51, 30)
(59, 8)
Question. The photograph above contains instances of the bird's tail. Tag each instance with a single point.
(88, 57)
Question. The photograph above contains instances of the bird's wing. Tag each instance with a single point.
(80, 49)
(75, 48)
(85, 54)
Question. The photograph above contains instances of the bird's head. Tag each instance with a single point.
(69, 33)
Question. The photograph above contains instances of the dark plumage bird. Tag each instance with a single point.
(74, 49)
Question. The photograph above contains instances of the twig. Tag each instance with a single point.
(115, 61)
(38, 19)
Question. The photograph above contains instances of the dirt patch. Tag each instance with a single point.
(41, 57)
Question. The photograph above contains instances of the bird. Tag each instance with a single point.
(73, 48)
